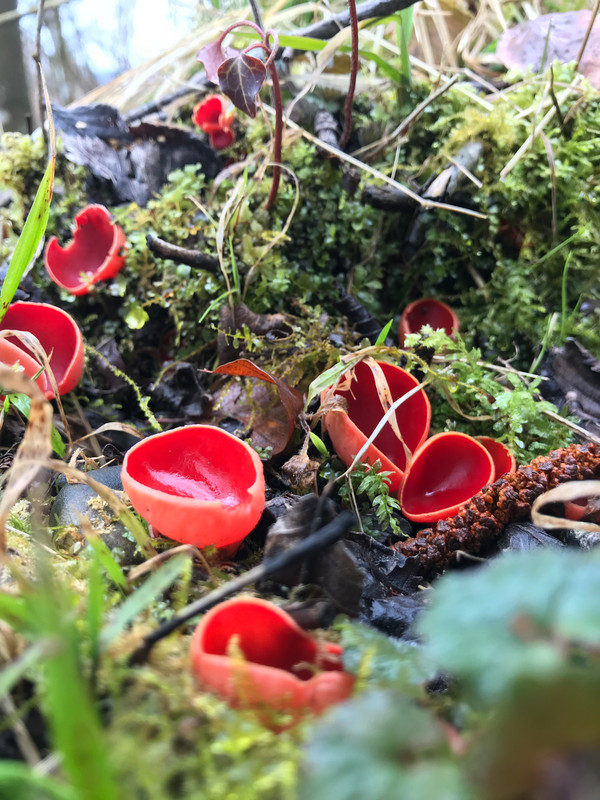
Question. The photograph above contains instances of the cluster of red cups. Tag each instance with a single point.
(96, 253)
(433, 475)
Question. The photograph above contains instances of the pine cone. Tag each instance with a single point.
(481, 521)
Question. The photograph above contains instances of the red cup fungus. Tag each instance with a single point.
(212, 116)
(504, 460)
(426, 311)
(254, 655)
(58, 334)
(95, 254)
(445, 472)
(349, 431)
(197, 485)
(14, 356)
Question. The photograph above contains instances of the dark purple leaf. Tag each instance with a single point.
(241, 78)
(212, 56)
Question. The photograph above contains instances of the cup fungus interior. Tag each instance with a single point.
(57, 333)
(429, 312)
(365, 410)
(265, 636)
(197, 484)
(445, 472)
(504, 460)
(194, 463)
(91, 255)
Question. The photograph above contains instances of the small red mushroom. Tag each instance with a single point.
(504, 460)
(282, 668)
(349, 431)
(58, 334)
(95, 254)
(426, 311)
(197, 485)
(212, 116)
(445, 472)
(14, 356)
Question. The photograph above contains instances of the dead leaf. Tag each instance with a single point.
(291, 399)
(35, 446)
(535, 44)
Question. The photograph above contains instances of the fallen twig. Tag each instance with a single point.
(324, 537)
(181, 255)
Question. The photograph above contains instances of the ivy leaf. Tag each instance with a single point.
(212, 56)
(380, 745)
(514, 619)
(241, 78)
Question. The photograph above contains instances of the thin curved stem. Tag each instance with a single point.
(353, 72)
(239, 24)
(278, 135)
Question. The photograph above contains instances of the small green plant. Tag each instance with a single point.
(369, 482)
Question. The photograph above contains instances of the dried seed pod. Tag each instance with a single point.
(481, 521)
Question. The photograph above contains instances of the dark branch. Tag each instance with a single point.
(324, 537)
(326, 28)
(193, 258)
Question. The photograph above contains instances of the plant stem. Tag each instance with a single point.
(278, 133)
(353, 72)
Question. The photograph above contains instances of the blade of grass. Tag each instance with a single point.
(65, 697)
(31, 235)
(13, 672)
(19, 782)
(142, 598)
(23, 404)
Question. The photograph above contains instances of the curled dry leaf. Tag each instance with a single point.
(275, 434)
(565, 493)
(35, 447)
(535, 44)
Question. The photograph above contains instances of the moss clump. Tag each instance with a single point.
(168, 740)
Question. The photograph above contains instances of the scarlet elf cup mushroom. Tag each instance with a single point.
(58, 334)
(427, 311)
(95, 254)
(279, 666)
(350, 430)
(197, 485)
(445, 472)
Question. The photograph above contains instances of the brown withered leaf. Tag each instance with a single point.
(291, 400)
(35, 446)
(258, 410)
(535, 44)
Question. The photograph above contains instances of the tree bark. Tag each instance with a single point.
(14, 99)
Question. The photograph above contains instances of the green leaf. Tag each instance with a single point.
(319, 444)
(105, 557)
(305, 43)
(143, 596)
(513, 618)
(30, 237)
(14, 671)
(384, 334)
(65, 697)
(20, 782)
(390, 662)
(380, 746)
(23, 403)
(136, 316)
